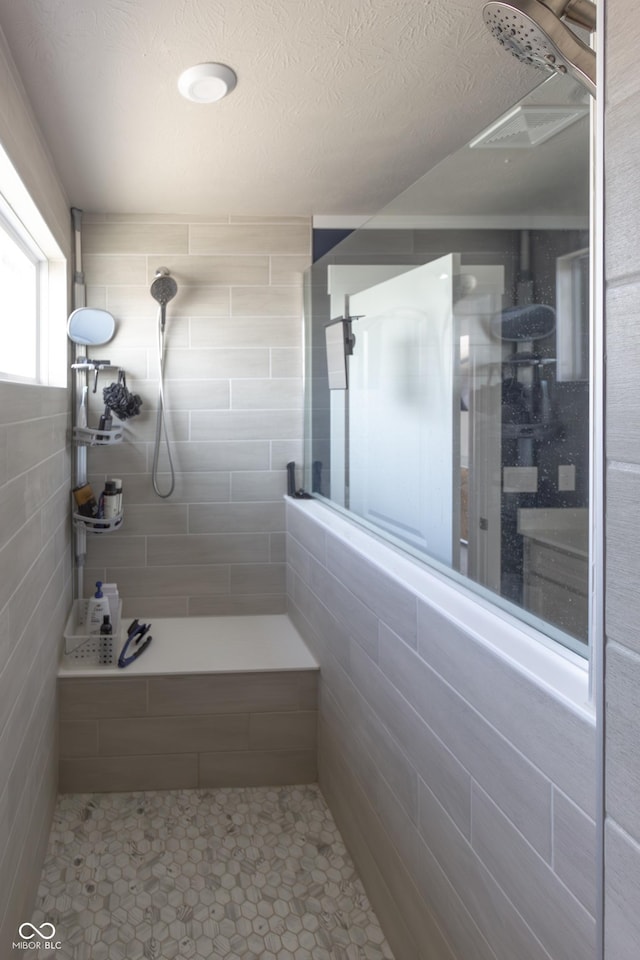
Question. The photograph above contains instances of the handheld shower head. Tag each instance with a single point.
(163, 289)
(534, 33)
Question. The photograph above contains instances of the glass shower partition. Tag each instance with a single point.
(447, 385)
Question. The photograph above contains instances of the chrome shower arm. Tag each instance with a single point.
(580, 12)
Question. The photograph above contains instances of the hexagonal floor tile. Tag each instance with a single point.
(231, 872)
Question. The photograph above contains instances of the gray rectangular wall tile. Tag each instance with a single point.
(228, 398)
(623, 529)
(161, 735)
(266, 394)
(622, 388)
(622, 189)
(355, 617)
(111, 269)
(574, 850)
(523, 712)
(288, 269)
(245, 425)
(217, 364)
(258, 485)
(564, 927)
(226, 606)
(622, 762)
(236, 518)
(247, 332)
(309, 535)
(257, 768)
(449, 779)
(622, 893)
(286, 362)
(226, 270)
(292, 730)
(207, 548)
(267, 302)
(108, 774)
(154, 519)
(389, 599)
(17, 555)
(197, 395)
(264, 578)
(369, 748)
(84, 699)
(136, 238)
(250, 238)
(166, 581)
(224, 693)
(450, 868)
(78, 738)
(505, 773)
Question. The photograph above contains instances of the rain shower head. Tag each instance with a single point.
(164, 287)
(534, 33)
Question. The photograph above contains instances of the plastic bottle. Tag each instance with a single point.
(106, 422)
(110, 592)
(106, 643)
(109, 501)
(118, 483)
(86, 503)
(97, 610)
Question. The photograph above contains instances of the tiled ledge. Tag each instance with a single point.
(210, 645)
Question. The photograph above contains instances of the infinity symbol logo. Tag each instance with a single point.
(37, 931)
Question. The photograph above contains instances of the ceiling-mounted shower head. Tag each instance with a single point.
(533, 32)
(164, 287)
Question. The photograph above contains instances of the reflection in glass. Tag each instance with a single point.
(463, 431)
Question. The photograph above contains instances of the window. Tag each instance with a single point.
(21, 268)
(33, 288)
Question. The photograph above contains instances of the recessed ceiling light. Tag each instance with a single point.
(207, 82)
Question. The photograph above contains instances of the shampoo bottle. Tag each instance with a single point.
(106, 641)
(109, 500)
(110, 593)
(97, 610)
(118, 483)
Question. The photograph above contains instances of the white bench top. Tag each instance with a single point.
(210, 645)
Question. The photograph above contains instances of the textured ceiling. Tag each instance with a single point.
(549, 182)
(340, 104)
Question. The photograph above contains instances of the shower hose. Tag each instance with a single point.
(161, 425)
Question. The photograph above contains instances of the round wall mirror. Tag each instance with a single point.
(535, 321)
(90, 326)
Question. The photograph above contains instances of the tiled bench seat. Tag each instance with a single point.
(214, 701)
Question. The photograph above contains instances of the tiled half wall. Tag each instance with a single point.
(233, 395)
(464, 790)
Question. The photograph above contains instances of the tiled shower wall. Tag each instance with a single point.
(35, 568)
(233, 394)
(622, 677)
(35, 594)
(464, 790)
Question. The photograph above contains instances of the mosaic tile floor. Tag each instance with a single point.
(257, 873)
